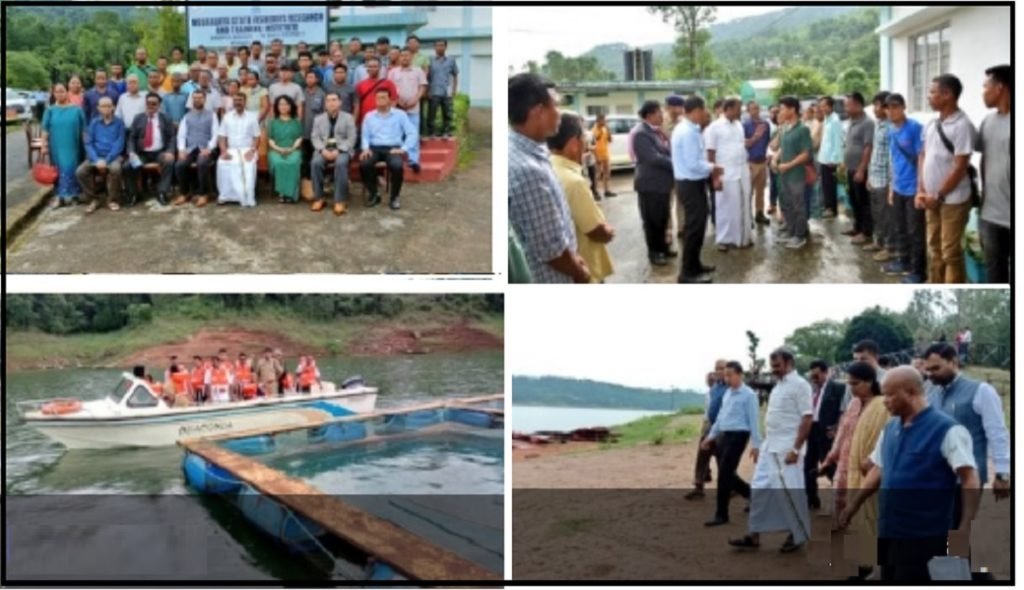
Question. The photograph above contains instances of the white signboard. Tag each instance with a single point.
(221, 26)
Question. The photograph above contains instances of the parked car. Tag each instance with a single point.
(17, 107)
(619, 125)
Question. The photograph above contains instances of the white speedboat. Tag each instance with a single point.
(134, 416)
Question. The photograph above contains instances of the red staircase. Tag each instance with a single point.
(438, 159)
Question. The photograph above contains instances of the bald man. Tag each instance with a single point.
(702, 470)
(920, 455)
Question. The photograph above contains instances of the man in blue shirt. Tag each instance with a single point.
(175, 102)
(737, 424)
(692, 170)
(830, 155)
(443, 76)
(104, 145)
(386, 136)
(758, 135)
(91, 100)
(702, 468)
(908, 220)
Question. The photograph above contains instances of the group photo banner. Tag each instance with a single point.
(222, 26)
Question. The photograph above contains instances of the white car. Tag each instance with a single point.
(620, 126)
(16, 106)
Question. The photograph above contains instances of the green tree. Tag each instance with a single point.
(881, 325)
(818, 340)
(25, 70)
(693, 56)
(756, 362)
(158, 38)
(802, 81)
(855, 79)
(573, 69)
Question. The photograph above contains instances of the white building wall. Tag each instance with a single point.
(979, 39)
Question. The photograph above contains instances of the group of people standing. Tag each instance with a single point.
(222, 115)
(218, 379)
(921, 435)
(911, 187)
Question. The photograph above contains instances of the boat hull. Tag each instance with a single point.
(166, 430)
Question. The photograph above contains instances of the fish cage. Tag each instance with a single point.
(410, 493)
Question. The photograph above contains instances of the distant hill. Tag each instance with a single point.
(582, 393)
(780, 22)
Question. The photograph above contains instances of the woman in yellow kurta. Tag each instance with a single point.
(862, 534)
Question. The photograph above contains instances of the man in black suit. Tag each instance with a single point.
(653, 181)
(151, 139)
(826, 397)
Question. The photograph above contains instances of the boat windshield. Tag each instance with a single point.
(122, 388)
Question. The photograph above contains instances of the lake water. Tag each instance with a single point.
(535, 418)
(37, 466)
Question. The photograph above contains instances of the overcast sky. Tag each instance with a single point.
(666, 336)
(536, 30)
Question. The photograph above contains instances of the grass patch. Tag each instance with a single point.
(570, 527)
(663, 429)
(492, 324)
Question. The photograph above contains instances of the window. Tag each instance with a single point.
(595, 110)
(929, 57)
(624, 109)
(142, 398)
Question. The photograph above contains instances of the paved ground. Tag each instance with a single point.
(829, 259)
(18, 187)
(442, 228)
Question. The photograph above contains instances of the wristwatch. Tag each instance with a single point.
(1003, 477)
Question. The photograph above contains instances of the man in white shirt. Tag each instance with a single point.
(918, 459)
(778, 501)
(725, 141)
(132, 103)
(236, 169)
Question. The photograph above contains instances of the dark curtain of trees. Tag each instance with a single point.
(70, 314)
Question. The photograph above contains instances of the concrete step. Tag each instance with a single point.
(429, 172)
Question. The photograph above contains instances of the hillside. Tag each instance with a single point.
(582, 393)
(742, 45)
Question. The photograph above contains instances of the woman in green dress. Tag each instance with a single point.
(63, 135)
(285, 157)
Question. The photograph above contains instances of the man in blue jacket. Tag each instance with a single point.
(104, 145)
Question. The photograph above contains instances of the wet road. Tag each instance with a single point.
(829, 258)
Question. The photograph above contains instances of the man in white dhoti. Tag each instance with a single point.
(239, 138)
(726, 146)
(778, 501)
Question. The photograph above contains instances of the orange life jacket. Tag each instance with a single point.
(158, 388)
(220, 376)
(286, 381)
(243, 372)
(249, 390)
(308, 375)
(180, 380)
(198, 377)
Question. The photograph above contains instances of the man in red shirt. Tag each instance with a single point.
(366, 91)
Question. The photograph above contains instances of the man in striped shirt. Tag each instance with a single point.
(878, 183)
(537, 208)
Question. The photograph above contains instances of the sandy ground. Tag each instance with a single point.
(451, 338)
(442, 228)
(581, 512)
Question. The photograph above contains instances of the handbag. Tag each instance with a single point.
(43, 171)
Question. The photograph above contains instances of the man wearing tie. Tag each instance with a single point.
(826, 397)
(151, 140)
(692, 170)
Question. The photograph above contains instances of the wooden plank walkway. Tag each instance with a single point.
(410, 555)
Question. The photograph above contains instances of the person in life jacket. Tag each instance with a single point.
(284, 381)
(219, 380)
(198, 379)
(308, 374)
(156, 388)
(244, 384)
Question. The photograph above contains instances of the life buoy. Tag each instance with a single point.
(61, 406)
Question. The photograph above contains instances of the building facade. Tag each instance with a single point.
(624, 98)
(466, 28)
(920, 42)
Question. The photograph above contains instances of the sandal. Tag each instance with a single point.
(789, 546)
(747, 542)
(56, 203)
(92, 206)
(113, 206)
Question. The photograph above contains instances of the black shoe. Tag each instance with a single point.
(698, 279)
(658, 259)
(671, 253)
(415, 168)
(707, 268)
(762, 219)
(395, 204)
(609, 194)
(162, 199)
(373, 201)
(597, 197)
(716, 521)
(694, 495)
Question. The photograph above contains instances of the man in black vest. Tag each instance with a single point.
(826, 396)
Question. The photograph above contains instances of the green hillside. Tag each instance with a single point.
(831, 38)
(582, 393)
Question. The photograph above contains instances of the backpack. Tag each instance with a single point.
(972, 172)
